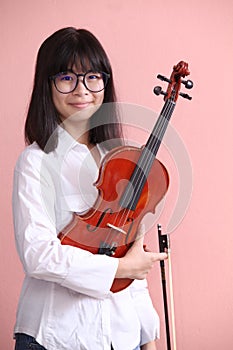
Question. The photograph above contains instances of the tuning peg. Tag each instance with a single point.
(158, 91)
(185, 96)
(188, 84)
(163, 78)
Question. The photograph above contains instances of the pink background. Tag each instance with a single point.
(143, 38)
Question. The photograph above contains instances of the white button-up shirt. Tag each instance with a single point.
(66, 302)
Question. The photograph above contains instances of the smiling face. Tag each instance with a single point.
(76, 108)
(77, 101)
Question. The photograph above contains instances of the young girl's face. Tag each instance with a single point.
(80, 102)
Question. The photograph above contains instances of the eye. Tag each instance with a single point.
(94, 76)
(66, 77)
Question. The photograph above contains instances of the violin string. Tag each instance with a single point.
(158, 132)
(146, 159)
(148, 155)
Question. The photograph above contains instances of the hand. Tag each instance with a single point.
(137, 262)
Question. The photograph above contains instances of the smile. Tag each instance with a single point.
(80, 105)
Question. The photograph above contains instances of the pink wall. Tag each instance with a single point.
(143, 38)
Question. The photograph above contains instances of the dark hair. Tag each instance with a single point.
(68, 47)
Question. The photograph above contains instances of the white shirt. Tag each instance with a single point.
(66, 302)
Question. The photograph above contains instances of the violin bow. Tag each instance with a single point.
(164, 245)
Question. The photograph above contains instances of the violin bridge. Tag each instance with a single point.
(116, 228)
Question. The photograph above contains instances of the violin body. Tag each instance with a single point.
(131, 183)
(92, 231)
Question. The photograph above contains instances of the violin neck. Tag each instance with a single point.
(144, 164)
(156, 137)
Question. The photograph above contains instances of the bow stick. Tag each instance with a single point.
(164, 245)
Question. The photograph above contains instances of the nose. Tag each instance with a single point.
(80, 88)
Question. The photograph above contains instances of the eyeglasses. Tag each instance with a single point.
(66, 82)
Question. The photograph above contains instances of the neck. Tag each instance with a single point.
(79, 130)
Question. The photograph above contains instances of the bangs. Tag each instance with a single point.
(81, 55)
(87, 60)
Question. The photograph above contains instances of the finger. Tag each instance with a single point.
(139, 241)
(141, 230)
(160, 256)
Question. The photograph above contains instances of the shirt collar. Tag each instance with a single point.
(66, 142)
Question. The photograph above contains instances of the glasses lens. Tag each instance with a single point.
(95, 81)
(65, 82)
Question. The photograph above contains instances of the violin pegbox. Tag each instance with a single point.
(179, 72)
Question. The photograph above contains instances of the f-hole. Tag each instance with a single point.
(92, 228)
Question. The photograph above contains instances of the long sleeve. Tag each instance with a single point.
(42, 255)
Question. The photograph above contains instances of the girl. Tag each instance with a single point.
(66, 302)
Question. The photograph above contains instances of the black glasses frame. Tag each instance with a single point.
(106, 76)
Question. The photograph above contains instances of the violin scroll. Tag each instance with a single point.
(173, 90)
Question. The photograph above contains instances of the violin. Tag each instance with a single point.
(130, 184)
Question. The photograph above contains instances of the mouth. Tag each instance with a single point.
(80, 105)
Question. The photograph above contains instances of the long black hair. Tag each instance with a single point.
(64, 48)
